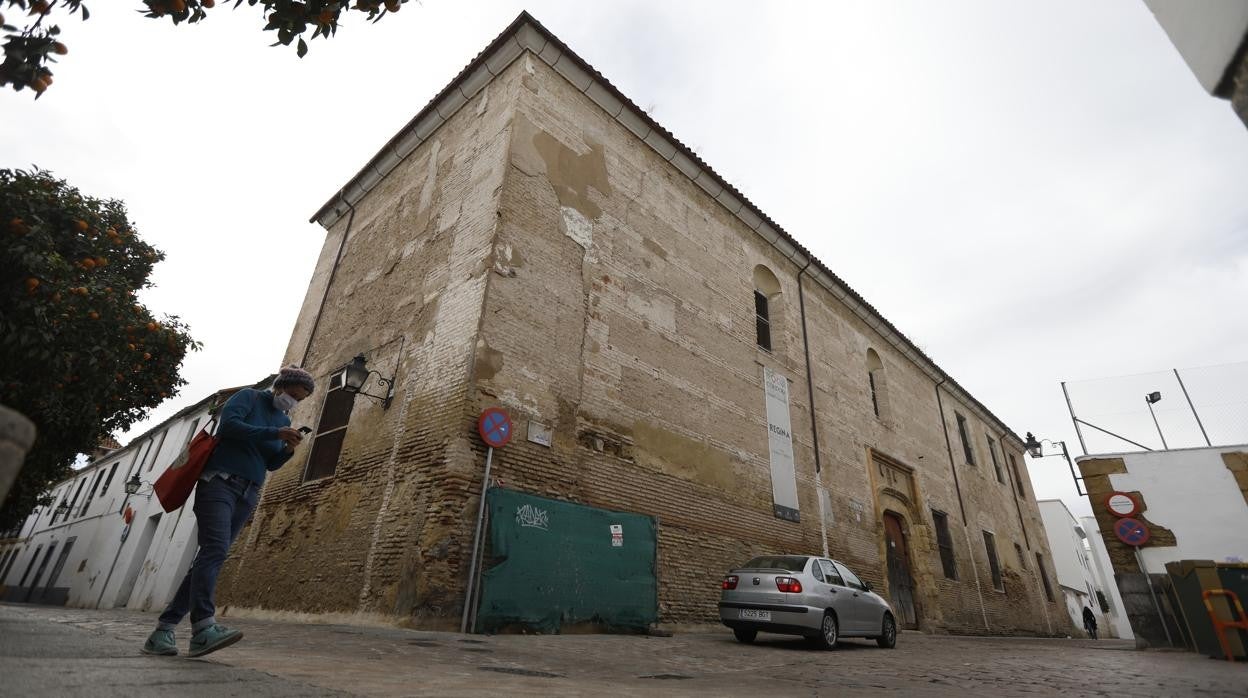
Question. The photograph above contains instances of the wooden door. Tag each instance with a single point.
(900, 583)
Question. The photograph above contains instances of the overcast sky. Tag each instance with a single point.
(1032, 193)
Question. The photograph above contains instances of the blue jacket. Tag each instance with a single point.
(248, 431)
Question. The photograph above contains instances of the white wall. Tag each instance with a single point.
(1207, 33)
(1073, 563)
(1104, 572)
(97, 570)
(1193, 494)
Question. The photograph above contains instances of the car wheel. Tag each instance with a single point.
(829, 632)
(888, 633)
(745, 636)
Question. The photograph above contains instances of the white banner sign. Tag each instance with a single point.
(780, 443)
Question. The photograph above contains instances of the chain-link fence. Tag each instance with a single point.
(1185, 408)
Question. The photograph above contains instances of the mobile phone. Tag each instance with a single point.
(305, 430)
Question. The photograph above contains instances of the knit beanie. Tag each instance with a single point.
(293, 375)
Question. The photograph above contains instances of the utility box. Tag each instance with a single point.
(559, 566)
(1191, 578)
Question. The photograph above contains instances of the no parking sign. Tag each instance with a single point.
(1131, 531)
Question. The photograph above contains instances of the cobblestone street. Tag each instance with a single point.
(59, 651)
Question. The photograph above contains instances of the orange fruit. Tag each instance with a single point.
(59, 49)
(147, 356)
(31, 284)
(101, 262)
(151, 327)
(208, 4)
(81, 226)
(18, 227)
(93, 315)
(132, 347)
(88, 263)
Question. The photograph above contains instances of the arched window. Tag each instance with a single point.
(875, 379)
(766, 290)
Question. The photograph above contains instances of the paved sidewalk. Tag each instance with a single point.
(70, 652)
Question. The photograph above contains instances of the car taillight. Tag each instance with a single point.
(788, 585)
(730, 582)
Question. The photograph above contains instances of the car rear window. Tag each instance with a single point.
(792, 563)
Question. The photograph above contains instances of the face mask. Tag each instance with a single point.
(284, 402)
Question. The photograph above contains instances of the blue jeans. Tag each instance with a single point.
(221, 508)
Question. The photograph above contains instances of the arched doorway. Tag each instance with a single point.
(900, 581)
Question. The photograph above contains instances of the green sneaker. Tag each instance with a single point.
(160, 642)
(213, 638)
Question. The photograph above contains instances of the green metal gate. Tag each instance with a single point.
(560, 563)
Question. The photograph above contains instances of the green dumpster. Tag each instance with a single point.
(1191, 578)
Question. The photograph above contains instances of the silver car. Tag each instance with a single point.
(804, 595)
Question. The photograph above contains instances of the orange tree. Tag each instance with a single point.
(31, 44)
(79, 355)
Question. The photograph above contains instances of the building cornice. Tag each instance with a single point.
(527, 34)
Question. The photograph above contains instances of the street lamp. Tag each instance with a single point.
(134, 484)
(1035, 449)
(1149, 399)
(357, 374)
(61, 510)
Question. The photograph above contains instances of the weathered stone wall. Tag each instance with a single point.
(620, 313)
(535, 254)
(385, 533)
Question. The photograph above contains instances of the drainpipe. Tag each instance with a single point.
(333, 271)
(814, 424)
(966, 527)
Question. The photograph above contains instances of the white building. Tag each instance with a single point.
(80, 551)
(1068, 542)
(1104, 573)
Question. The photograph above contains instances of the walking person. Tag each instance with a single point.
(1089, 622)
(255, 438)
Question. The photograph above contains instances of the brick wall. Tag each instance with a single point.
(536, 255)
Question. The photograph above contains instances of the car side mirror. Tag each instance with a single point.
(866, 585)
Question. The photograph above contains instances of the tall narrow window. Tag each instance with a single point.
(1018, 477)
(91, 492)
(994, 565)
(108, 480)
(331, 430)
(964, 434)
(69, 513)
(875, 380)
(766, 291)
(945, 542)
(156, 451)
(996, 463)
(8, 567)
(1048, 590)
(762, 321)
(33, 559)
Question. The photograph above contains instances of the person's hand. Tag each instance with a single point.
(291, 437)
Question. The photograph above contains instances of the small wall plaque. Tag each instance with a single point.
(539, 433)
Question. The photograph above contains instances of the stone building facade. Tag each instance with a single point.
(533, 240)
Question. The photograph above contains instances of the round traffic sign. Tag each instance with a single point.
(1131, 531)
(495, 427)
(1121, 504)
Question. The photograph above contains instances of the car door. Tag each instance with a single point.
(837, 592)
(864, 614)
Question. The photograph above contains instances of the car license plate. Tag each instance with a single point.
(751, 614)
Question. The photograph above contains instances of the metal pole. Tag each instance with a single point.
(1139, 560)
(1073, 472)
(1082, 446)
(1189, 404)
(1148, 402)
(476, 539)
